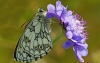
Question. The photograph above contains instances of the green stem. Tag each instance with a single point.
(55, 40)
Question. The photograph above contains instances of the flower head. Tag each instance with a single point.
(74, 29)
(77, 37)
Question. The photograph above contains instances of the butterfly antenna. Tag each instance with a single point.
(28, 20)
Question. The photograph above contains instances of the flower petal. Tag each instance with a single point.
(77, 38)
(50, 15)
(68, 44)
(68, 19)
(51, 8)
(69, 12)
(78, 55)
(68, 27)
(58, 3)
(59, 8)
(69, 34)
(82, 49)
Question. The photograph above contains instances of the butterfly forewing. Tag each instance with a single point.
(35, 41)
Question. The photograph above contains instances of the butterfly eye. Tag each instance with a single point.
(41, 10)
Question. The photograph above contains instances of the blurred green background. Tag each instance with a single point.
(13, 13)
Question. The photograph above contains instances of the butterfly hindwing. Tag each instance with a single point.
(35, 41)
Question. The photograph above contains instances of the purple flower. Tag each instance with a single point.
(77, 37)
(74, 29)
(59, 12)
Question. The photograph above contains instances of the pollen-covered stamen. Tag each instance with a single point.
(77, 27)
(83, 21)
(84, 34)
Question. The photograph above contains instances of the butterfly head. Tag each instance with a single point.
(41, 12)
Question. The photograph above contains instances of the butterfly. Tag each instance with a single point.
(35, 41)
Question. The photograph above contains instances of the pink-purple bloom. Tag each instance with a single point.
(74, 27)
(59, 11)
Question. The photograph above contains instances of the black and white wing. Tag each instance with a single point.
(35, 41)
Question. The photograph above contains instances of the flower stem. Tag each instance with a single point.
(56, 39)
